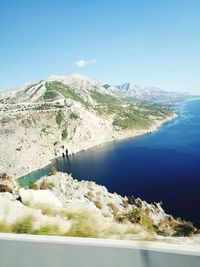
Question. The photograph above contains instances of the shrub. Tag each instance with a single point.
(43, 106)
(24, 225)
(84, 225)
(53, 171)
(64, 134)
(59, 117)
(114, 209)
(4, 176)
(138, 216)
(50, 95)
(5, 188)
(147, 222)
(4, 227)
(47, 230)
(90, 196)
(125, 203)
(134, 215)
(98, 204)
(33, 185)
(74, 116)
(46, 185)
(45, 129)
(55, 143)
(184, 228)
(131, 200)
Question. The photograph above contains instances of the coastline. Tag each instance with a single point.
(79, 191)
(119, 136)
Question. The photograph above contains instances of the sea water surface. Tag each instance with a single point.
(162, 166)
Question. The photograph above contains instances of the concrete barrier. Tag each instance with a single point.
(47, 251)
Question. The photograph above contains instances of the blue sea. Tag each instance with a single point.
(162, 166)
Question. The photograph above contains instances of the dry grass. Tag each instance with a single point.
(84, 224)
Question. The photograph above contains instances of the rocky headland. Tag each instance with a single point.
(64, 115)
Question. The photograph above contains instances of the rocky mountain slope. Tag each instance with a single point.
(149, 94)
(63, 115)
(75, 87)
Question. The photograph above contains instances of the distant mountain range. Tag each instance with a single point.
(52, 89)
(149, 94)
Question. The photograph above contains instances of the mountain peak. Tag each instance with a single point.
(150, 94)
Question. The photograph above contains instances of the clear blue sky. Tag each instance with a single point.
(152, 42)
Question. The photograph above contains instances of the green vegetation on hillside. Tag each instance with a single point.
(59, 117)
(126, 114)
(74, 116)
(157, 110)
(137, 216)
(105, 103)
(45, 129)
(55, 87)
(46, 106)
(50, 95)
(64, 134)
(129, 121)
(132, 118)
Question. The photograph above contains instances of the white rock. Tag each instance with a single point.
(39, 199)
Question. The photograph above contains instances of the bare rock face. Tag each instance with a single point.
(39, 199)
(16, 217)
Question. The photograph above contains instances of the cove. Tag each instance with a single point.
(162, 166)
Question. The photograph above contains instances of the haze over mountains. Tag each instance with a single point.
(40, 90)
(149, 94)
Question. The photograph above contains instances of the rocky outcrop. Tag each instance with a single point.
(72, 208)
(20, 218)
(75, 195)
(39, 199)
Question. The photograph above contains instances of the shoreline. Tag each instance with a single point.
(120, 137)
